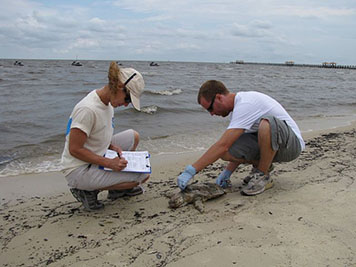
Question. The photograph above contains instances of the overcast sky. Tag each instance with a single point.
(306, 31)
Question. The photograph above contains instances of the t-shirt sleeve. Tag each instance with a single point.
(83, 118)
(245, 116)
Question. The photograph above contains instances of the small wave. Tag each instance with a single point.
(80, 93)
(158, 137)
(36, 72)
(166, 92)
(317, 116)
(56, 138)
(92, 83)
(150, 109)
(4, 160)
(151, 73)
(19, 168)
(353, 104)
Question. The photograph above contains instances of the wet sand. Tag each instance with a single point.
(307, 219)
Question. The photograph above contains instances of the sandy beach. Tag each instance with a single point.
(307, 219)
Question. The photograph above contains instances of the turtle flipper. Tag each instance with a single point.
(198, 204)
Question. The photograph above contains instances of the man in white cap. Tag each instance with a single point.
(90, 133)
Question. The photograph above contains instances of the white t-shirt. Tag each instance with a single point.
(95, 119)
(250, 106)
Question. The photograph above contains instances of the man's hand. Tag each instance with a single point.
(185, 176)
(223, 179)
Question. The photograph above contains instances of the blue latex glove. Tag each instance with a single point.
(185, 176)
(223, 179)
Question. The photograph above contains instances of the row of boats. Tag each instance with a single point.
(78, 64)
(74, 63)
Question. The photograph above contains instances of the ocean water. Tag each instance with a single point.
(36, 100)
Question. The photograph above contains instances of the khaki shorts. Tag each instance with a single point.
(90, 177)
(284, 141)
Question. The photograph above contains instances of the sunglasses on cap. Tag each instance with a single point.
(126, 91)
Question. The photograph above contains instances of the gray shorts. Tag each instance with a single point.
(284, 141)
(90, 177)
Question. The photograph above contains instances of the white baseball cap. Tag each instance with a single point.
(134, 83)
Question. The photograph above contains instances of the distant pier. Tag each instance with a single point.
(329, 65)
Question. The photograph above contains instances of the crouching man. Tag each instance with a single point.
(260, 132)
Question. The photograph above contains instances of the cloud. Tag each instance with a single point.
(159, 18)
(261, 24)
(59, 30)
(147, 6)
(226, 9)
(313, 12)
(84, 43)
(254, 29)
(206, 30)
(108, 28)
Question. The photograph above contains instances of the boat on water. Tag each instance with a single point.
(76, 63)
(153, 64)
(18, 63)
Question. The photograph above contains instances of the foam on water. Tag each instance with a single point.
(150, 109)
(166, 92)
(19, 167)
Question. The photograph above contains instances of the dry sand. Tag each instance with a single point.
(307, 219)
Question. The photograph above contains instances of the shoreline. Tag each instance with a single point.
(306, 219)
(169, 146)
(26, 185)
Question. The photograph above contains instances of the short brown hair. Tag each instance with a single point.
(211, 88)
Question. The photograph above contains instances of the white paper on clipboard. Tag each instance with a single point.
(137, 161)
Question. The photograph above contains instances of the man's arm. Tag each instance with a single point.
(218, 149)
(231, 166)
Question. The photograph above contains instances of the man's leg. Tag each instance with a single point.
(264, 142)
(277, 143)
(235, 162)
(259, 179)
(245, 150)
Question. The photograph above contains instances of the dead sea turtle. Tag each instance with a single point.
(196, 194)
